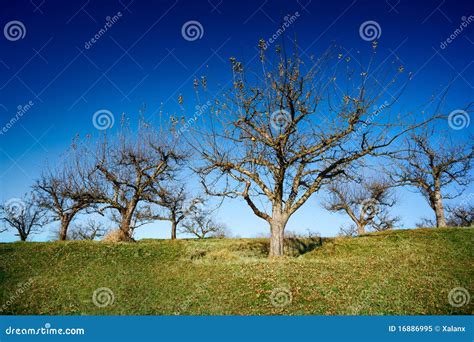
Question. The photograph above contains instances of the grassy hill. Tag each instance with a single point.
(397, 272)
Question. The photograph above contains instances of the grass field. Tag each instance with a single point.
(398, 272)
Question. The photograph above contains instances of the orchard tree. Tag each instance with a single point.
(436, 165)
(128, 173)
(23, 215)
(54, 189)
(277, 139)
(175, 204)
(365, 201)
(202, 224)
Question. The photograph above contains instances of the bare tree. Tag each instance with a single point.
(277, 141)
(365, 201)
(436, 166)
(53, 193)
(176, 204)
(23, 215)
(200, 223)
(90, 230)
(128, 172)
(460, 215)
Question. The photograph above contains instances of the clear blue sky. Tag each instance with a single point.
(143, 58)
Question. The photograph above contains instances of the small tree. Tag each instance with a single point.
(90, 230)
(174, 204)
(200, 223)
(460, 216)
(23, 215)
(366, 202)
(439, 168)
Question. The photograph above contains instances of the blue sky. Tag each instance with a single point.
(143, 58)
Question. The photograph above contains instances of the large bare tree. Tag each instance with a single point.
(128, 172)
(436, 165)
(365, 201)
(278, 137)
(24, 215)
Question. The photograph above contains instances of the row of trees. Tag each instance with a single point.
(273, 140)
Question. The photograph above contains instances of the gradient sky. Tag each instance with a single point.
(144, 59)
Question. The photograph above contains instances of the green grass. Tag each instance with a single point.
(399, 272)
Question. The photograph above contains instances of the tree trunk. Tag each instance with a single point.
(125, 231)
(65, 221)
(439, 209)
(173, 230)
(360, 229)
(277, 229)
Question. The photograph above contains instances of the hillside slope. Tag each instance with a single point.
(398, 272)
